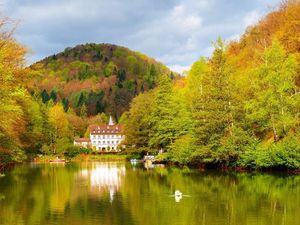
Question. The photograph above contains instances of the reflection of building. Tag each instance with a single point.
(104, 177)
(103, 137)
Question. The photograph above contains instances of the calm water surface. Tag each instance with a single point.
(119, 193)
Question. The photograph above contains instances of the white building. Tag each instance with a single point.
(83, 142)
(103, 137)
(106, 137)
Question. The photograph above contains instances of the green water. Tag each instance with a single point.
(119, 193)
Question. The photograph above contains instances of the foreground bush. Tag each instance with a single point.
(284, 154)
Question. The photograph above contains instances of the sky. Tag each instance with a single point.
(174, 32)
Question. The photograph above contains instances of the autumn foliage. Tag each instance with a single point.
(103, 77)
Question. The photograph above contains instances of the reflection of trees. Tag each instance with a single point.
(215, 198)
(53, 194)
(80, 195)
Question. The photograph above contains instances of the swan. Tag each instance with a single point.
(178, 196)
(178, 193)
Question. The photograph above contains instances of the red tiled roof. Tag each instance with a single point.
(82, 140)
(106, 129)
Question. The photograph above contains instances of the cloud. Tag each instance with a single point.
(179, 68)
(252, 18)
(175, 32)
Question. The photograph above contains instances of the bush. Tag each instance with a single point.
(182, 149)
(284, 154)
(76, 150)
(62, 144)
(9, 151)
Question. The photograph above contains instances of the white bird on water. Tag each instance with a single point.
(178, 193)
(178, 196)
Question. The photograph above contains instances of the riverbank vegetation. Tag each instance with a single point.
(238, 108)
(83, 157)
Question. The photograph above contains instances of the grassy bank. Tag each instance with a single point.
(83, 157)
(99, 157)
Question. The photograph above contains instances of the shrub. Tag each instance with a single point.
(76, 150)
(284, 154)
(181, 150)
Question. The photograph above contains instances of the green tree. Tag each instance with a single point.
(274, 106)
(213, 107)
(83, 111)
(45, 96)
(170, 117)
(60, 127)
(53, 95)
(65, 103)
(137, 125)
(212, 112)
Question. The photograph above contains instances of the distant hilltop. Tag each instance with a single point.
(100, 77)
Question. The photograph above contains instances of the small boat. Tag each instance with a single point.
(57, 160)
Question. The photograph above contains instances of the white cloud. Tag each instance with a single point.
(182, 19)
(252, 18)
(175, 32)
(179, 68)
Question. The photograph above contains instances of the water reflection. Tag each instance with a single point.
(104, 177)
(115, 194)
(149, 165)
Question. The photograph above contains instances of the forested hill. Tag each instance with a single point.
(279, 25)
(100, 77)
(238, 108)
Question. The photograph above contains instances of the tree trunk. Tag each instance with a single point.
(274, 129)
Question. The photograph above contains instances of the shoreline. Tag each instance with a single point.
(125, 157)
(83, 158)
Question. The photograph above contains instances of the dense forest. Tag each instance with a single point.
(100, 77)
(238, 108)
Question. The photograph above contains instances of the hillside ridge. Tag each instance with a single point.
(101, 77)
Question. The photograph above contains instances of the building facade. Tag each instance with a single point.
(83, 142)
(104, 137)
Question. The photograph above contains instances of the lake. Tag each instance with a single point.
(120, 193)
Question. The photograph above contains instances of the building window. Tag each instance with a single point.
(107, 142)
(103, 142)
(99, 142)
